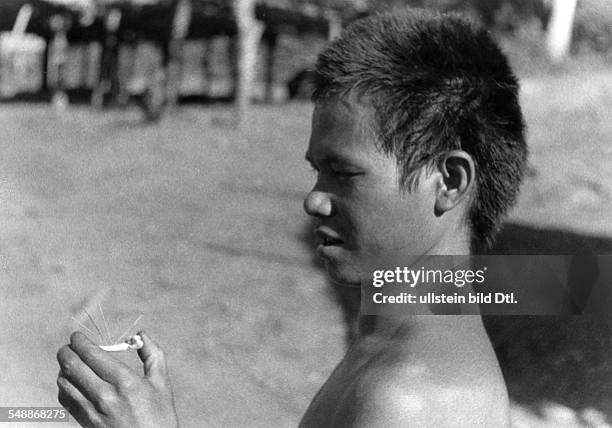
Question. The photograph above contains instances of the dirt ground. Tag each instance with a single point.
(199, 228)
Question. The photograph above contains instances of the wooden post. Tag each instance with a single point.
(58, 52)
(335, 24)
(559, 34)
(249, 34)
(173, 62)
(108, 77)
(271, 39)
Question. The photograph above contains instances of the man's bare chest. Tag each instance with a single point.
(337, 389)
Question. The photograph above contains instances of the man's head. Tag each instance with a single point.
(435, 101)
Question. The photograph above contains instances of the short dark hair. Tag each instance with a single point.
(437, 82)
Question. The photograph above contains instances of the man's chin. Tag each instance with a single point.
(343, 276)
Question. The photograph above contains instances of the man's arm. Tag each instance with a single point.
(101, 391)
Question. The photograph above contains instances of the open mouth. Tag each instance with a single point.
(327, 237)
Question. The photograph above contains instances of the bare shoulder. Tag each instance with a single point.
(418, 397)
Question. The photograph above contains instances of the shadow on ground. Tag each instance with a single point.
(565, 360)
(523, 239)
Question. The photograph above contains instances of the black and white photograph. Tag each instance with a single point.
(306, 213)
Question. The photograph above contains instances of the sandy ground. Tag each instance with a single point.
(199, 227)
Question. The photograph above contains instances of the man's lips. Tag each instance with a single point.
(327, 236)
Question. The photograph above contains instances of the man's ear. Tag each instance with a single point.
(458, 175)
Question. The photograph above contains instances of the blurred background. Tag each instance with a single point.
(151, 163)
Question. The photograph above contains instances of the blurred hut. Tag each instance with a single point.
(111, 24)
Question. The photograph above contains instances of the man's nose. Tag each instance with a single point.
(318, 204)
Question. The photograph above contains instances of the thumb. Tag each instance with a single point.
(154, 360)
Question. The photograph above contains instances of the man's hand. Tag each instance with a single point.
(101, 391)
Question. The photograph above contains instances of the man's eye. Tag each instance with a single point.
(345, 174)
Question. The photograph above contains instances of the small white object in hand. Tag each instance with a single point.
(132, 342)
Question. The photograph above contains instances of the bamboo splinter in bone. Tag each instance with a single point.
(132, 342)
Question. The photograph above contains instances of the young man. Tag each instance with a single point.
(417, 140)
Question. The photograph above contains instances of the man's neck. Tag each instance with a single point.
(454, 242)
(376, 326)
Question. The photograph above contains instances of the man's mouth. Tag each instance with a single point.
(327, 237)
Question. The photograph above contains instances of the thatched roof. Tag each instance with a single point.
(151, 18)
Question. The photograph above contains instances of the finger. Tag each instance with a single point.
(101, 362)
(81, 376)
(78, 406)
(154, 360)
